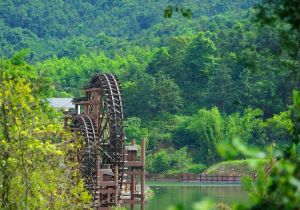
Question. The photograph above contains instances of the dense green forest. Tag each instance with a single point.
(219, 84)
(189, 84)
(71, 28)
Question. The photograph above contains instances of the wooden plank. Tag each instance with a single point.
(107, 184)
(91, 89)
(133, 163)
(81, 102)
(106, 191)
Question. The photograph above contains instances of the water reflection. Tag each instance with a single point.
(167, 194)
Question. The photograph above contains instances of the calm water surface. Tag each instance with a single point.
(167, 194)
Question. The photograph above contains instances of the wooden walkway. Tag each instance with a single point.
(195, 178)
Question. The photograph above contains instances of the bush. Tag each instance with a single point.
(170, 161)
(196, 168)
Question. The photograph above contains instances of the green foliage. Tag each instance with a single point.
(172, 162)
(70, 28)
(160, 131)
(234, 167)
(277, 185)
(204, 131)
(227, 62)
(168, 12)
(34, 171)
(196, 168)
(190, 85)
(271, 11)
(285, 16)
(168, 95)
(199, 61)
(277, 129)
(158, 162)
(134, 130)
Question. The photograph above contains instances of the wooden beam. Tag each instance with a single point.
(111, 190)
(81, 102)
(133, 163)
(107, 183)
(91, 89)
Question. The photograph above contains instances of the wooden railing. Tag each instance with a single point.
(195, 178)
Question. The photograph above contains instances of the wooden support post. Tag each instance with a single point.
(98, 181)
(143, 175)
(133, 182)
(116, 185)
(132, 189)
(85, 109)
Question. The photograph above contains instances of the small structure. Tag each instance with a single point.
(134, 168)
(63, 104)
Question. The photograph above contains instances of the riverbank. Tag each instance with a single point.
(223, 172)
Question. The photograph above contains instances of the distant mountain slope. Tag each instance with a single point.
(72, 27)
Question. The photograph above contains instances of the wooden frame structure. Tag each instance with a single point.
(109, 168)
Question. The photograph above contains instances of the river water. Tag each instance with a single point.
(167, 194)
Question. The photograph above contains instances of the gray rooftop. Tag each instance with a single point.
(64, 103)
(131, 148)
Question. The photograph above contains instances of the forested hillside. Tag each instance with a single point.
(73, 27)
(188, 84)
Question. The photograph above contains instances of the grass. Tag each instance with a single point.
(235, 167)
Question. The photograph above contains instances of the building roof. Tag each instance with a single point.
(131, 148)
(64, 103)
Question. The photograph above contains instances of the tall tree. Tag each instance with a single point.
(221, 92)
(199, 61)
(168, 94)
